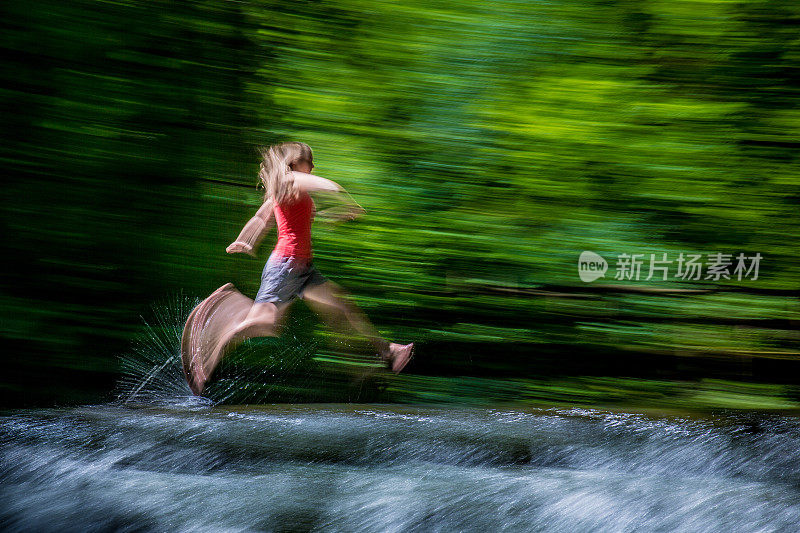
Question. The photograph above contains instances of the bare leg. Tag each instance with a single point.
(263, 320)
(209, 320)
(329, 301)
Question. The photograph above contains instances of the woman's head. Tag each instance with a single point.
(277, 162)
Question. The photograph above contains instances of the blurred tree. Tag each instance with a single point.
(491, 143)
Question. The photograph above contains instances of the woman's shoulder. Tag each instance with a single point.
(293, 201)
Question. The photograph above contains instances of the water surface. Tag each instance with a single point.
(388, 468)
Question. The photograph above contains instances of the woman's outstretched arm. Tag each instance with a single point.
(315, 184)
(253, 232)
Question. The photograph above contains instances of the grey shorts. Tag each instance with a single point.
(285, 278)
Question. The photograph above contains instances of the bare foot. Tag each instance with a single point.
(399, 356)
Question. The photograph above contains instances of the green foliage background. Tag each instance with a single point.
(490, 142)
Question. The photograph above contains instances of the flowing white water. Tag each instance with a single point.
(368, 468)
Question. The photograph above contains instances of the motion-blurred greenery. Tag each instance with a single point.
(490, 142)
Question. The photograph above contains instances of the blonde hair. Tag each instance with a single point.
(275, 172)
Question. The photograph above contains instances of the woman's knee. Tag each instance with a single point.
(254, 328)
(264, 312)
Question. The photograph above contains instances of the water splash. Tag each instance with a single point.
(261, 370)
(268, 369)
(152, 372)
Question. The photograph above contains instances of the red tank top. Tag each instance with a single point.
(294, 227)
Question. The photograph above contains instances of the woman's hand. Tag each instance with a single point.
(239, 247)
(335, 214)
(354, 212)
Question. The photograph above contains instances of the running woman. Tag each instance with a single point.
(289, 273)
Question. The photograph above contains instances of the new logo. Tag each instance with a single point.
(591, 266)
